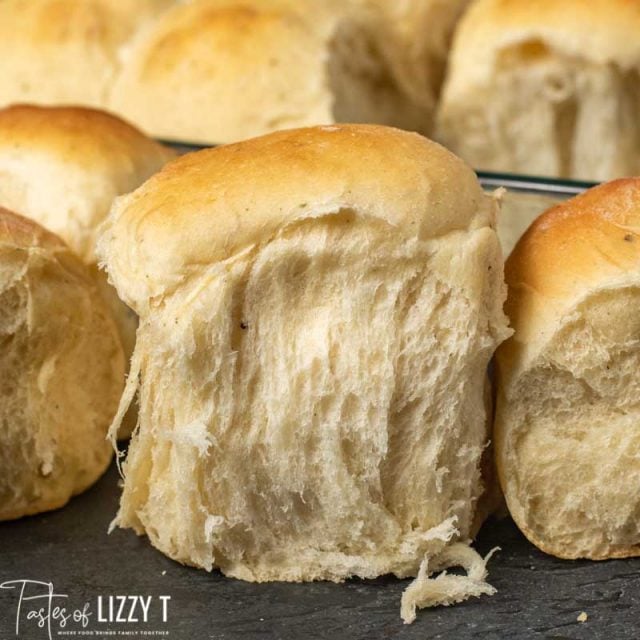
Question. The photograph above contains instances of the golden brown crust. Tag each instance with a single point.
(64, 167)
(592, 238)
(76, 135)
(195, 210)
(214, 71)
(589, 236)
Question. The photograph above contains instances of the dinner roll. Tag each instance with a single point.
(318, 308)
(66, 51)
(567, 437)
(223, 70)
(63, 167)
(546, 88)
(62, 371)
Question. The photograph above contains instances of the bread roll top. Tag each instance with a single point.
(208, 206)
(63, 166)
(586, 244)
(600, 31)
(215, 47)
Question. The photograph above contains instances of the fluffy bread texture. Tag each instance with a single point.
(546, 88)
(62, 371)
(318, 308)
(568, 411)
(63, 167)
(215, 71)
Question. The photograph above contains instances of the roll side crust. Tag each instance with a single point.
(62, 368)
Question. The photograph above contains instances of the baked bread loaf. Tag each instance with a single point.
(566, 434)
(318, 308)
(63, 167)
(62, 371)
(546, 88)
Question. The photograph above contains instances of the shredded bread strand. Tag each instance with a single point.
(447, 589)
(128, 395)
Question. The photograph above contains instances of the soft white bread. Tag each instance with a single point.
(224, 70)
(62, 371)
(318, 308)
(566, 434)
(66, 51)
(546, 88)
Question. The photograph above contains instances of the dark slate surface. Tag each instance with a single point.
(538, 596)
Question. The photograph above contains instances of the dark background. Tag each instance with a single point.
(538, 596)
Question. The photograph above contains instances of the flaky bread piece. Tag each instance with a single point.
(66, 51)
(546, 88)
(566, 435)
(318, 308)
(214, 71)
(62, 371)
(63, 167)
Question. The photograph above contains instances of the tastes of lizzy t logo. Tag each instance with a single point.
(38, 606)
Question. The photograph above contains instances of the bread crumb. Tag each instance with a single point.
(447, 589)
(46, 468)
(164, 573)
(583, 617)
